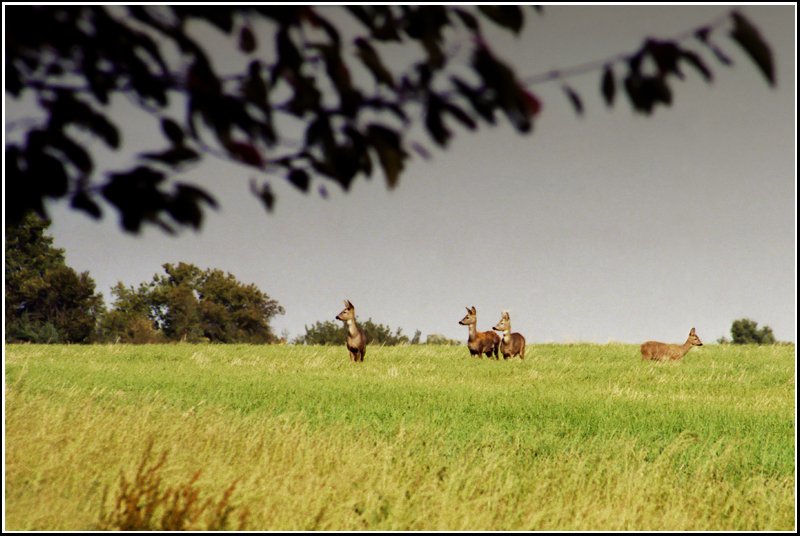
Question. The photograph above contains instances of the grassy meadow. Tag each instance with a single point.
(575, 437)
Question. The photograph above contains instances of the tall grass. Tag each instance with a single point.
(575, 437)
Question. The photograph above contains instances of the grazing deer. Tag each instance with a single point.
(479, 342)
(512, 343)
(356, 340)
(661, 351)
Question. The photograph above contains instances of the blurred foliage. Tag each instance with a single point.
(331, 332)
(75, 62)
(190, 305)
(144, 502)
(436, 338)
(46, 300)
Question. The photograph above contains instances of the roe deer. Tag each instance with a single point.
(512, 343)
(661, 351)
(356, 340)
(479, 342)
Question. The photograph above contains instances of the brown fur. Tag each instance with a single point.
(660, 351)
(356, 341)
(479, 342)
(512, 344)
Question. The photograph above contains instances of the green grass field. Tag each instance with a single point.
(576, 437)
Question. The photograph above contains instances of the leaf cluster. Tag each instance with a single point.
(303, 73)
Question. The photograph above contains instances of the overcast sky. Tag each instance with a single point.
(607, 227)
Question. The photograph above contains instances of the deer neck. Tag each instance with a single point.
(686, 347)
(352, 329)
(507, 335)
(473, 331)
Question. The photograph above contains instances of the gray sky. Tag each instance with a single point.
(606, 227)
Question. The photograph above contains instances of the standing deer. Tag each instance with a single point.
(660, 351)
(479, 342)
(512, 343)
(356, 340)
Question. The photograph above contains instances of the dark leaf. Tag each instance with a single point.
(531, 102)
(184, 206)
(288, 55)
(82, 201)
(201, 82)
(420, 150)
(185, 211)
(666, 55)
(264, 193)
(319, 21)
(387, 105)
(378, 19)
(575, 99)
(359, 144)
(608, 86)
(66, 109)
(104, 129)
(196, 193)
(695, 61)
(751, 41)
(646, 91)
(462, 116)
(172, 131)
(477, 99)
(373, 63)
(49, 174)
(468, 19)
(300, 179)
(246, 153)
(136, 196)
(723, 58)
(388, 144)
(141, 175)
(433, 121)
(221, 18)
(247, 41)
(73, 151)
(506, 16)
(173, 157)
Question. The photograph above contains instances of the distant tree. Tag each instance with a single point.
(324, 333)
(381, 335)
(745, 331)
(330, 332)
(316, 99)
(416, 338)
(46, 300)
(435, 338)
(192, 305)
(131, 319)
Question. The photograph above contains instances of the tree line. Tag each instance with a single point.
(49, 302)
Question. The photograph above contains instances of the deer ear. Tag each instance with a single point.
(691, 332)
(473, 311)
(350, 305)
